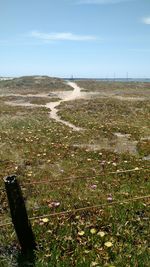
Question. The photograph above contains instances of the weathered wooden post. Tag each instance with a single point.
(19, 214)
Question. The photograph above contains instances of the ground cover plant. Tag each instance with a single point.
(80, 169)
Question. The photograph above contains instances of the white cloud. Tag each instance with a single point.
(146, 20)
(64, 36)
(102, 2)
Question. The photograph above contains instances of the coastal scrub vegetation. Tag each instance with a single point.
(80, 169)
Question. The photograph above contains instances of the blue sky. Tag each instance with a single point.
(86, 38)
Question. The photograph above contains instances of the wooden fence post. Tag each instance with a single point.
(19, 214)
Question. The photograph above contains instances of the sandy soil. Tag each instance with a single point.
(68, 96)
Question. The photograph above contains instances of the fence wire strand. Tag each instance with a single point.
(79, 178)
(82, 209)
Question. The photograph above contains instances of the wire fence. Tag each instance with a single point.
(82, 177)
(55, 214)
(70, 179)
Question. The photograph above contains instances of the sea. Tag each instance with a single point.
(141, 80)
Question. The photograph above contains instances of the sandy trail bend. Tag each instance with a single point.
(70, 95)
(52, 106)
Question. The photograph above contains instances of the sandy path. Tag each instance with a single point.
(69, 95)
(65, 96)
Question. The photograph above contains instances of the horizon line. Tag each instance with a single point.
(75, 78)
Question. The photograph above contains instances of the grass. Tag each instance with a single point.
(29, 99)
(36, 148)
(32, 84)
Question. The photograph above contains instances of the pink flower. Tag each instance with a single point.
(93, 186)
(109, 198)
(54, 204)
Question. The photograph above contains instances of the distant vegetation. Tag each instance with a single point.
(125, 88)
(33, 84)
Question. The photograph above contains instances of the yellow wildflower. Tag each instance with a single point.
(81, 233)
(101, 233)
(93, 231)
(93, 263)
(136, 169)
(45, 220)
(108, 244)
